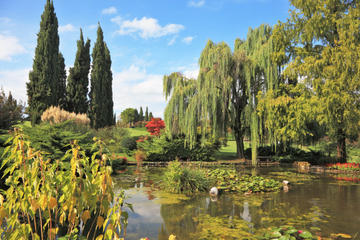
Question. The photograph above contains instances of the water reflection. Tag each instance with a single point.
(321, 205)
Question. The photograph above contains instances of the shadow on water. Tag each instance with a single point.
(318, 203)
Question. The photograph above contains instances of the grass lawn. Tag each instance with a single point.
(135, 132)
(229, 152)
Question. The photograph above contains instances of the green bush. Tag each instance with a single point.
(112, 137)
(128, 144)
(118, 163)
(181, 179)
(54, 140)
(165, 149)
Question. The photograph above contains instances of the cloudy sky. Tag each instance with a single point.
(147, 38)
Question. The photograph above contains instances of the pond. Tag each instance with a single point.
(316, 202)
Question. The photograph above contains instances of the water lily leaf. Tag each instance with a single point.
(306, 235)
(343, 235)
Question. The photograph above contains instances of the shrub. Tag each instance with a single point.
(181, 179)
(118, 162)
(155, 126)
(58, 115)
(54, 140)
(112, 136)
(128, 144)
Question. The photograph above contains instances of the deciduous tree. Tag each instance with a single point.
(325, 55)
(155, 126)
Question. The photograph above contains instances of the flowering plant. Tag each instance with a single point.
(345, 166)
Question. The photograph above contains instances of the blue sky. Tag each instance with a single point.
(146, 38)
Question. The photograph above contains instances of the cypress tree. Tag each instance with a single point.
(141, 114)
(147, 114)
(61, 86)
(151, 116)
(78, 81)
(137, 115)
(101, 102)
(45, 86)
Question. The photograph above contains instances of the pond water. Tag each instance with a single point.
(316, 202)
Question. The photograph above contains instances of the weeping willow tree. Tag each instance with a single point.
(261, 74)
(181, 90)
(227, 83)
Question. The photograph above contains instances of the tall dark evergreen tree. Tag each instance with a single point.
(101, 102)
(137, 115)
(78, 80)
(141, 114)
(151, 116)
(61, 86)
(147, 114)
(46, 87)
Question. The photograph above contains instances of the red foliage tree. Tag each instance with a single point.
(155, 125)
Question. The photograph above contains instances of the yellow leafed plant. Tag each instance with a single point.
(46, 199)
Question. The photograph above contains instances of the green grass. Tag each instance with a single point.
(135, 132)
(229, 152)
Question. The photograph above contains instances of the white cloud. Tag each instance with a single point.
(194, 3)
(146, 27)
(117, 20)
(134, 87)
(172, 41)
(15, 81)
(10, 46)
(188, 39)
(190, 71)
(93, 26)
(66, 28)
(109, 11)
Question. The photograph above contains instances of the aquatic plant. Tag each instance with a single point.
(287, 233)
(183, 179)
(292, 177)
(49, 199)
(230, 180)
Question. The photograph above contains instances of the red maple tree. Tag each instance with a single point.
(154, 126)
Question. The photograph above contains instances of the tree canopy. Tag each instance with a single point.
(46, 86)
(78, 80)
(101, 97)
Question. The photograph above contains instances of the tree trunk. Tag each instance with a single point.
(240, 147)
(254, 138)
(341, 146)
